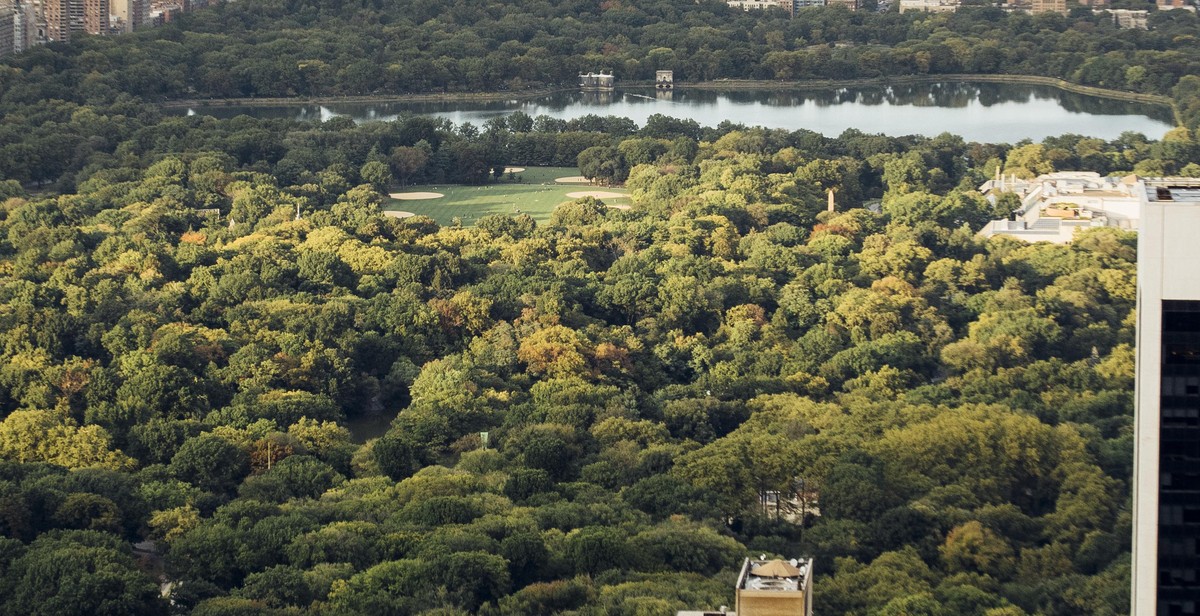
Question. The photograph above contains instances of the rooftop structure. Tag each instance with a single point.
(1166, 480)
(1055, 205)
(769, 587)
(774, 587)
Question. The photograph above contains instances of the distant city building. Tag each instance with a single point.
(1131, 19)
(664, 80)
(95, 17)
(38, 29)
(164, 15)
(596, 81)
(1056, 205)
(748, 5)
(1048, 6)
(42, 21)
(1170, 5)
(64, 19)
(8, 28)
(130, 15)
(23, 25)
(68, 18)
(850, 4)
(929, 6)
(1166, 472)
(788, 5)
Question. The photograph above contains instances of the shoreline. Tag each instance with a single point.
(819, 84)
(717, 85)
(425, 97)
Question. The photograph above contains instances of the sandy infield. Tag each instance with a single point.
(514, 169)
(621, 207)
(573, 179)
(599, 194)
(399, 214)
(414, 196)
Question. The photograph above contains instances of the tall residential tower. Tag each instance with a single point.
(1166, 491)
(67, 18)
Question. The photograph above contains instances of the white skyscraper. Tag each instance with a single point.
(1166, 491)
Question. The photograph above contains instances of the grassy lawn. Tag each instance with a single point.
(534, 192)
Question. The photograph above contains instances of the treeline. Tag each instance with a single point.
(269, 48)
(946, 420)
(66, 109)
(72, 144)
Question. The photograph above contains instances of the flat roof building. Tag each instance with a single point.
(1056, 205)
(1166, 474)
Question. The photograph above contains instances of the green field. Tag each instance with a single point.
(533, 192)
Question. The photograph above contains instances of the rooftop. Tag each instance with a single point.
(775, 575)
(1185, 190)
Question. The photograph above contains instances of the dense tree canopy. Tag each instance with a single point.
(197, 317)
(920, 398)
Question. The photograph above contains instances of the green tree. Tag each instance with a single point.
(210, 462)
(377, 174)
(78, 572)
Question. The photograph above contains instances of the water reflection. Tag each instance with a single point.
(977, 111)
(595, 98)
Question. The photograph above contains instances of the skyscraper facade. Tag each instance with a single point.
(68, 18)
(1166, 520)
(8, 28)
(64, 18)
(22, 16)
(131, 14)
(95, 16)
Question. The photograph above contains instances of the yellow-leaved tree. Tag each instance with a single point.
(49, 436)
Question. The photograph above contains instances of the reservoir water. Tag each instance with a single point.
(985, 112)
